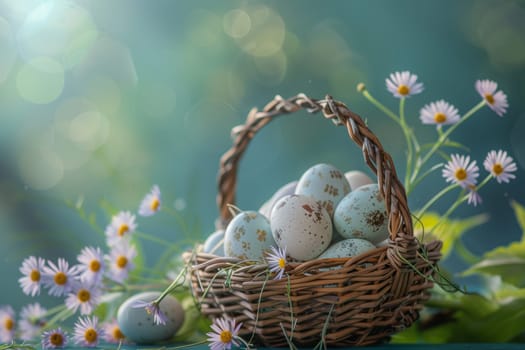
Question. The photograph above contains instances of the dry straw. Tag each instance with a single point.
(329, 302)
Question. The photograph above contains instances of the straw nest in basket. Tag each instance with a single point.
(339, 301)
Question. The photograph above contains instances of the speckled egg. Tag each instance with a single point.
(138, 326)
(266, 208)
(248, 236)
(325, 183)
(302, 226)
(214, 244)
(357, 179)
(347, 248)
(362, 214)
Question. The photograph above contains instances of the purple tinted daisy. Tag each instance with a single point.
(403, 84)
(500, 165)
(152, 308)
(54, 339)
(120, 261)
(84, 297)
(122, 225)
(461, 171)
(7, 324)
(496, 100)
(59, 278)
(277, 261)
(87, 332)
(151, 202)
(224, 334)
(439, 113)
(112, 333)
(91, 265)
(32, 320)
(32, 270)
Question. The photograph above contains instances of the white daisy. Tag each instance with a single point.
(87, 332)
(7, 324)
(500, 165)
(120, 261)
(91, 265)
(112, 333)
(32, 320)
(59, 278)
(85, 297)
(32, 270)
(54, 339)
(151, 202)
(403, 84)
(439, 113)
(152, 308)
(496, 100)
(122, 225)
(224, 334)
(473, 196)
(277, 261)
(461, 171)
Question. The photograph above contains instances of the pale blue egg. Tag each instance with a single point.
(362, 214)
(214, 244)
(138, 325)
(248, 236)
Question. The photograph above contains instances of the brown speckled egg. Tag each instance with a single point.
(362, 214)
(248, 236)
(325, 183)
(301, 225)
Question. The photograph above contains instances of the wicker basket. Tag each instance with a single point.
(358, 301)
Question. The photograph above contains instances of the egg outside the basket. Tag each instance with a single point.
(342, 301)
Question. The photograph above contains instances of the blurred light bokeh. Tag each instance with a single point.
(102, 99)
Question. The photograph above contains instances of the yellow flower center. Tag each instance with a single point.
(60, 278)
(461, 174)
(56, 339)
(226, 336)
(34, 276)
(90, 335)
(497, 168)
(403, 90)
(440, 118)
(489, 98)
(123, 229)
(117, 334)
(155, 203)
(9, 324)
(122, 261)
(282, 263)
(94, 265)
(84, 295)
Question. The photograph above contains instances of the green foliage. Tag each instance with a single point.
(496, 316)
(449, 231)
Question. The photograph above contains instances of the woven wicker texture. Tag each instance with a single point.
(345, 301)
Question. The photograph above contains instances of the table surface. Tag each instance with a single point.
(480, 346)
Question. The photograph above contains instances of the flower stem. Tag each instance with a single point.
(176, 283)
(443, 137)
(406, 133)
(434, 199)
(380, 106)
(152, 239)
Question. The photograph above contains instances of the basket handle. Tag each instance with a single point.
(379, 161)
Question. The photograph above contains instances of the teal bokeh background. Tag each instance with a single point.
(101, 99)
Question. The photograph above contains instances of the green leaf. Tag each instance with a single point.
(449, 231)
(509, 268)
(519, 211)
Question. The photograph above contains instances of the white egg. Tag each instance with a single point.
(138, 325)
(301, 225)
(357, 179)
(266, 208)
(347, 248)
(214, 244)
(325, 183)
(362, 214)
(248, 236)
